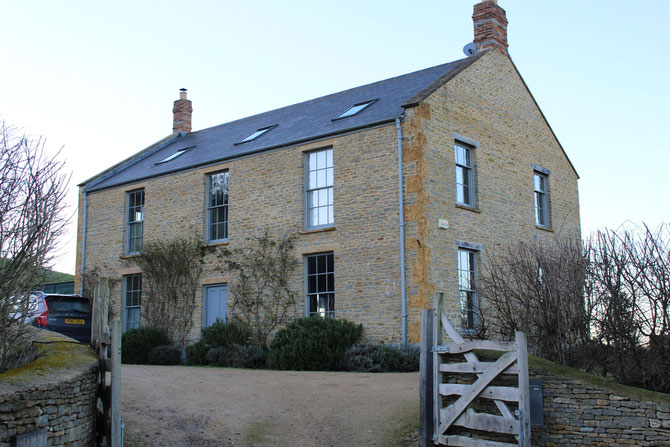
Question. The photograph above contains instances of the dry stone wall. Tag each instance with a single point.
(56, 394)
(577, 413)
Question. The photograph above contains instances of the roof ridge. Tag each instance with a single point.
(341, 92)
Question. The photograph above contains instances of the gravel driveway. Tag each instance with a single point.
(199, 406)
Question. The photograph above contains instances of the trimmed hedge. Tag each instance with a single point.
(226, 334)
(196, 354)
(380, 358)
(165, 355)
(136, 344)
(313, 344)
(250, 357)
(238, 357)
(220, 356)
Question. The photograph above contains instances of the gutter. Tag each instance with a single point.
(401, 222)
(319, 137)
(83, 246)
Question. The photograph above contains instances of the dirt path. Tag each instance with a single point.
(193, 406)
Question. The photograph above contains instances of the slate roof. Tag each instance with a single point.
(294, 124)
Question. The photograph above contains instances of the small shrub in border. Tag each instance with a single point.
(380, 358)
(196, 354)
(220, 356)
(226, 334)
(165, 355)
(250, 357)
(314, 344)
(136, 344)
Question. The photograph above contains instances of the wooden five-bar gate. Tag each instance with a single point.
(465, 401)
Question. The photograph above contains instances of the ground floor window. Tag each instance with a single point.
(320, 275)
(216, 302)
(467, 287)
(133, 301)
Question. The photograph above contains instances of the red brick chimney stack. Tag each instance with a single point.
(490, 23)
(182, 112)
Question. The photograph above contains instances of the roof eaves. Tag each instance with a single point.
(439, 82)
(319, 137)
(544, 118)
(135, 157)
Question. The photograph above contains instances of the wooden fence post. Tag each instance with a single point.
(524, 390)
(426, 379)
(116, 383)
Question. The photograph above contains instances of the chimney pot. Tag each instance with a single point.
(182, 112)
(490, 26)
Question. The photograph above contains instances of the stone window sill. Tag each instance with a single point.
(216, 244)
(317, 230)
(469, 208)
(544, 228)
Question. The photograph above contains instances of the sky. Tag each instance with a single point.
(98, 79)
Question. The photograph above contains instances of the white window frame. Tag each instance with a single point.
(319, 186)
(541, 198)
(134, 306)
(467, 289)
(134, 222)
(216, 207)
(320, 279)
(466, 167)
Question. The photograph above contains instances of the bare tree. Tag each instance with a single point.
(261, 283)
(171, 272)
(537, 288)
(630, 273)
(603, 305)
(32, 205)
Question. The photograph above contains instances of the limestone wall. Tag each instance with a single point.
(56, 393)
(580, 412)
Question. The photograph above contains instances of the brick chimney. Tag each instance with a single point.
(490, 24)
(182, 112)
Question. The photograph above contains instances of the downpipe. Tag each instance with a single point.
(401, 213)
(83, 247)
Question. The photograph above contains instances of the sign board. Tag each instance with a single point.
(536, 402)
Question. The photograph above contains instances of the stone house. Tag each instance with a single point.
(394, 189)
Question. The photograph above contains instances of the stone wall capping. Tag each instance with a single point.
(579, 406)
(56, 392)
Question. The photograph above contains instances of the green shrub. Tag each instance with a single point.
(165, 355)
(249, 357)
(314, 343)
(380, 358)
(196, 354)
(226, 334)
(136, 344)
(220, 356)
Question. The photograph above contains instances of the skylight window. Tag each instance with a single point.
(175, 155)
(353, 110)
(256, 134)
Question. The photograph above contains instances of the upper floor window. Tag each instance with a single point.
(467, 287)
(135, 223)
(133, 301)
(464, 175)
(217, 207)
(319, 188)
(320, 285)
(541, 209)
